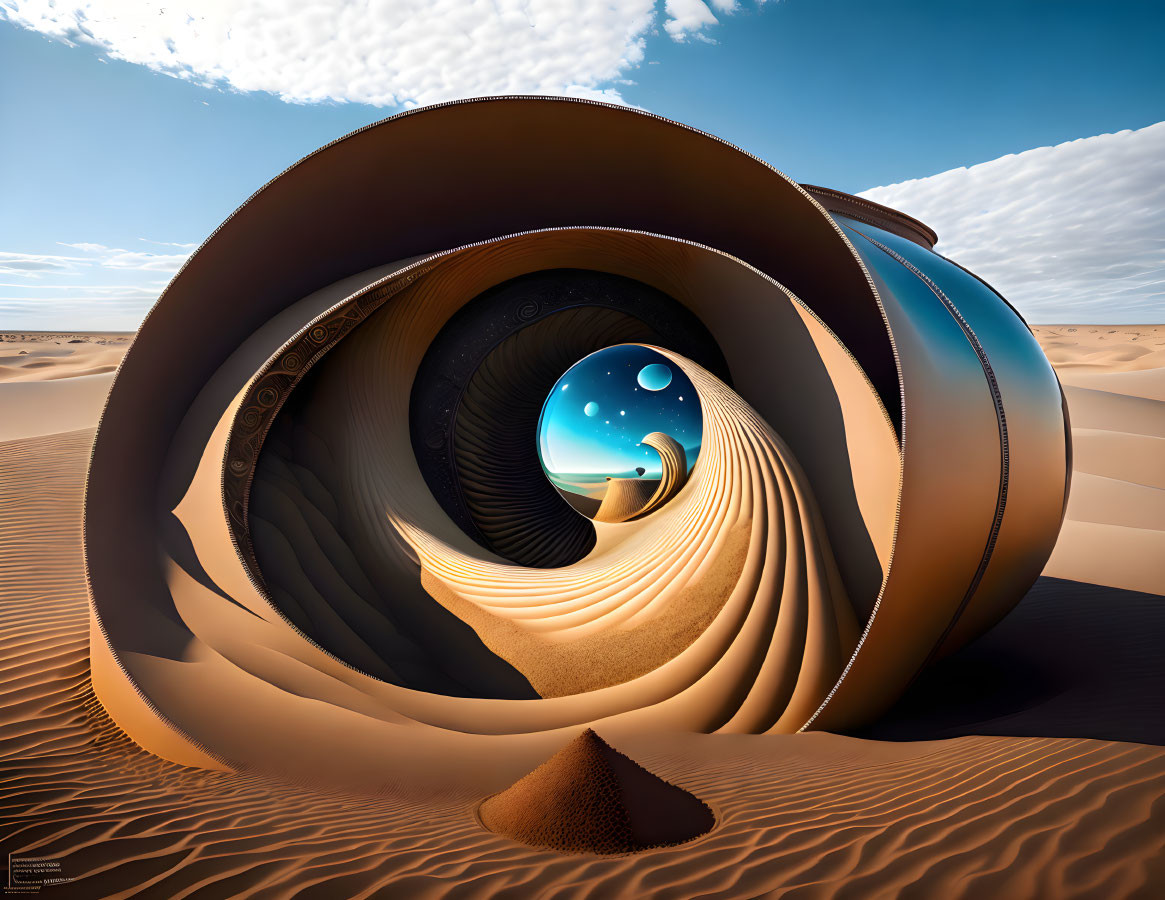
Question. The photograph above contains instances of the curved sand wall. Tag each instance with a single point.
(802, 576)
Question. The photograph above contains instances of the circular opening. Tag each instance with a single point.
(621, 428)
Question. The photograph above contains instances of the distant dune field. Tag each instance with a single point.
(1114, 377)
(1007, 772)
(55, 382)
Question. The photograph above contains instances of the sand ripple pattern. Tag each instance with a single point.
(511, 502)
(810, 816)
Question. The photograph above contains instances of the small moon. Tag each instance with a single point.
(654, 377)
(591, 409)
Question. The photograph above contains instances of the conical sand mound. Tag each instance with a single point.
(590, 798)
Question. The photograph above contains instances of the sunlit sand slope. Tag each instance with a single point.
(627, 498)
(1114, 378)
(55, 382)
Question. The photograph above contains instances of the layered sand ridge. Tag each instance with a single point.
(813, 815)
(333, 603)
(724, 611)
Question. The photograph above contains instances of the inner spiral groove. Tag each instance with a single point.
(318, 500)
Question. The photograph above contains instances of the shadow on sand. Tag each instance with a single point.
(1071, 660)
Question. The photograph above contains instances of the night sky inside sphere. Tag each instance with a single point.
(602, 407)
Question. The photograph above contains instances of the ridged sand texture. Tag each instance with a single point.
(811, 816)
(590, 798)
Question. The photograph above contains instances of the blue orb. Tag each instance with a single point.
(593, 433)
(654, 377)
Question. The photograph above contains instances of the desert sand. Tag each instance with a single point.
(1026, 764)
(628, 498)
(55, 382)
(1114, 378)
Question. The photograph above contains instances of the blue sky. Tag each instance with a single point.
(126, 161)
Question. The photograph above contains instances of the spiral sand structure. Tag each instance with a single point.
(314, 541)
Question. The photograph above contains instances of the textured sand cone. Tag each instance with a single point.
(590, 798)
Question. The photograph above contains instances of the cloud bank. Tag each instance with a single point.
(380, 52)
(96, 287)
(1071, 233)
(96, 256)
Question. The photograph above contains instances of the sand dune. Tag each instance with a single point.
(808, 815)
(55, 382)
(817, 814)
(1103, 348)
(48, 356)
(34, 408)
(1114, 379)
(630, 498)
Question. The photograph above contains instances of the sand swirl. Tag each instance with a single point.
(769, 642)
(309, 509)
(723, 609)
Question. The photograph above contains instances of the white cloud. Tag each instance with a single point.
(104, 288)
(1071, 233)
(687, 17)
(34, 265)
(144, 262)
(162, 244)
(153, 287)
(382, 52)
(115, 307)
(91, 248)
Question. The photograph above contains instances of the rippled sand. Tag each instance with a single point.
(812, 815)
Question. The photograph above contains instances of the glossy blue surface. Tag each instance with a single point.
(603, 406)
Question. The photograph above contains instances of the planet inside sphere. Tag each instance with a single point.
(654, 377)
(591, 409)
